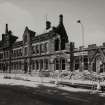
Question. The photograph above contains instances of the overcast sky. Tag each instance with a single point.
(32, 13)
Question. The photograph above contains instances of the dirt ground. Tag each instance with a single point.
(42, 95)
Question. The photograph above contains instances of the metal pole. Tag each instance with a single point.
(82, 29)
(82, 56)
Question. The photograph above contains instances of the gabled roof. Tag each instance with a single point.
(98, 51)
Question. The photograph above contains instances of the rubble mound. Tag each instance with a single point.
(85, 75)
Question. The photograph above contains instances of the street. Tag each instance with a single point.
(43, 95)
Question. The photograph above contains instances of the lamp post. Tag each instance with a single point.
(82, 29)
(82, 56)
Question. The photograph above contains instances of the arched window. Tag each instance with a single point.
(46, 64)
(37, 64)
(57, 42)
(33, 64)
(85, 62)
(41, 64)
(60, 64)
(57, 64)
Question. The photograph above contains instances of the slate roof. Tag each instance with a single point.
(43, 37)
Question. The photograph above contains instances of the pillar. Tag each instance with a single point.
(90, 67)
(52, 65)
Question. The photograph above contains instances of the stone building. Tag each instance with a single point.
(93, 58)
(44, 52)
(49, 51)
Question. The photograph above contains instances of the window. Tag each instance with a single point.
(57, 64)
(1, 55)
(60, 64)
(14, 53)
(17, 53)
(20, 52)
(33, 49)
(4, 54)
(94, 66)
(45, 47)
(19, 64)
(37, 49)
(7, 53)
(0, 66)
(16, 65)
(41, 64)
(85, 62)
(63, 64)
(76, 62)
(12, 65)
(33, 65)
(41, 48)
(46, 64)
(37, 64)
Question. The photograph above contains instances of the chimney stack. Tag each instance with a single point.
(6, 29)
(48, 25)
(60, 18)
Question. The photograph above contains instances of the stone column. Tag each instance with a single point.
(52, 65)
(67, 65)
(80, 63)
(90, 67)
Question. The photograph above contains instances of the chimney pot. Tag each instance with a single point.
(60, 18)
(6, 29)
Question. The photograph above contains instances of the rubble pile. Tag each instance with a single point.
(85, 75)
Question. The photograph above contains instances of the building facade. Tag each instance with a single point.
(49, 51)
(44, 52)
(93, 58)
